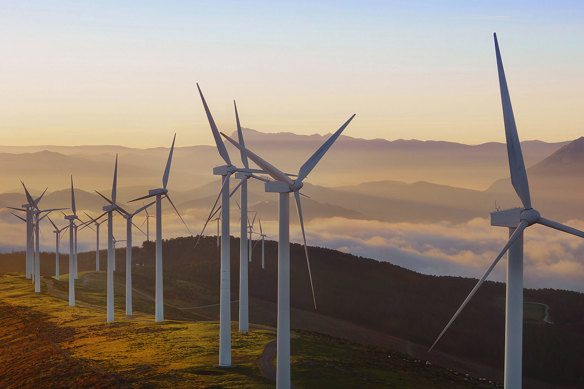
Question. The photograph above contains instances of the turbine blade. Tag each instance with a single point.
(299, 209)
(240, 138)
(235, 189)
(167, 169)
(105, 198)
(176, 210)
(560, 227)
(54, 225)
(218, 141)
(17, 209)
(259, 178)
(516, 164)
(271, 170)
(28, 196)
(254, 217)
(139, 229)
(313, 160)
(237, 202)
(36, 202)
(211, 214)
(73, 208)
(512, 240)
(142, 198)
(260, 221)
(144, 208)
(115, 183)
(21, 218)
(255, 244)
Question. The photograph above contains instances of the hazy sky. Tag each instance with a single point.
(110, 72)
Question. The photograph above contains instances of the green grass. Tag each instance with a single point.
(74, 346)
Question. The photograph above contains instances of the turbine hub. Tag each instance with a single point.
(531, 216)
(297, 185)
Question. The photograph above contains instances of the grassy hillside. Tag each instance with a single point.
(361, 300)
(46, 343)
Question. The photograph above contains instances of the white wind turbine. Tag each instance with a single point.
(161, 193)
(284, 186)
(129, 223)
(36, 214)
(517, 220)
(244, 174)
(262, 237)
(57, 232)
(72, 219)
(28, 207)
(251, 231)
(111, 252)
(97, 224)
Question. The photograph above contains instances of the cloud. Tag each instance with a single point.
(552, 259)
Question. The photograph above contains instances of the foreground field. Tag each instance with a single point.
(46, 343)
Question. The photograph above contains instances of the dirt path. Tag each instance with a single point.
(265, 361)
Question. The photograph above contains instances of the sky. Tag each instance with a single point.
(109, 72)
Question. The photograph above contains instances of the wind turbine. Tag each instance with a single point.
(72, 219)
(284, 186)
(57, 232)
(147, 221)
(111, 252)
(161, 193)
(28, 207)
(225, 171)
(129, 224)
(251, 231)
(262, 237)
(97, 225)
(36, 214)
(517, 220)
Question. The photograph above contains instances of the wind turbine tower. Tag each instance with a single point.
(283, 185)
(516, 220)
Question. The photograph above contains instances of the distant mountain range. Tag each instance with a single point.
(395, 181)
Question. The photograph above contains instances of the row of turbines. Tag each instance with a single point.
(517, 220)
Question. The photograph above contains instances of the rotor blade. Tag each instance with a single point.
(143, 209)
(146, 210)
(176, 210)
(218, 141)
(142, 198)
(212, 213)
(240, 137)
(299, 209)
(28, 196)
(115, 183)
(235, 189)
(51, 210)
(73, 208)
(105, 198)
(512, 240)
(253, 221)
(260, 221)
(54, 225)
(20, 217)
(139, 229)
(237, 202)
(92, 219)
(313, 160)
(167, 169)
(255, 244)
(259, 178)
(17, 209)
(36, 202)
(560, 227)
(271, 170)
(516, 164)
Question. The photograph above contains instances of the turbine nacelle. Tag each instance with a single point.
(224, 170)
(513, 217)
(159, 191)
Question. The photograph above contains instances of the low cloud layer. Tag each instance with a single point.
(552, 259)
